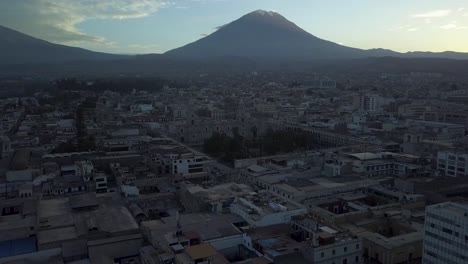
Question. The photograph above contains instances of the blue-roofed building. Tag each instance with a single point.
(18, 247)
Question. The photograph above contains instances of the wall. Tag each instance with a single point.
(393, 255)
(36, 257)
(226, 242)
(280, 217)
(353, 250)
(123, 248)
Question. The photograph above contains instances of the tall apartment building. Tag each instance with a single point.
(369, 103)
(452, 163)
(446, 234)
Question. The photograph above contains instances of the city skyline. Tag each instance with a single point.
(156, 26)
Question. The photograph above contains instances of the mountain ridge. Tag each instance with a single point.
(257, 36)
(20, 48)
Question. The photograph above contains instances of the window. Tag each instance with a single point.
(446, 230)
(356, 259)
(345, 261)
(345, 249)
(430, 253)
(322, 254)
(333, 252)
(357, 246)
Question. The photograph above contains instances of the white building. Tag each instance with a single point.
(254, 211)
(101, 183)
(142, 108)
(66, 126)
(85, 169)
(384, 164)
(446, 234)
(68, 170)
(332, 169)
(186, 165)
(26, 190)
(370, 103)
(452, 164)
(129, 191)
(437, 130)
(341, 250)
(326, 244)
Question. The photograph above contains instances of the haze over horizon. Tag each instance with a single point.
(156, 26)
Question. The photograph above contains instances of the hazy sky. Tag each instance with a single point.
(155, 26)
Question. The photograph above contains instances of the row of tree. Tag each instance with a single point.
(122, 85)
(82, 141)
(229, 148)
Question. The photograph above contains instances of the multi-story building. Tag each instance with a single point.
(452, 164)
(327, 245)
(369, 103)
(265, 209)
(384, 164)
(437, 130)
(101, 182)
(446, 234)
(187, 165)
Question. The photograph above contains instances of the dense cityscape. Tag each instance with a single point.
(247, 167)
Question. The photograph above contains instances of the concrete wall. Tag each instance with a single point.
(394, 255)
(118, 249)
(280, 217)
(42, 256)
(226, 242)
(335, 253)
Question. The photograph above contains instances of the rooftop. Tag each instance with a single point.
(207, 226)
(219, 192)
(460, 209)
(365, 156)
(200, 251)
(392, 242)
(83, 200)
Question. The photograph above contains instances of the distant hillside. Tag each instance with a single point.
(19, 48)
(258, 41)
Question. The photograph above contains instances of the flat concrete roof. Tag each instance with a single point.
(57, 234)
(83, 200)
(392, 242)
(200, 251)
